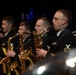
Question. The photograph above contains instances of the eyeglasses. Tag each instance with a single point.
(55, 18)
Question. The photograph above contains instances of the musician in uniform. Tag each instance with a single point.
(8, 23)
(26, 43)
(43, 28)
(63, 40)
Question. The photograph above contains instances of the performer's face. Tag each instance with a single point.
(39, 27)
(6, 26)
(59, 21)
(21, 29)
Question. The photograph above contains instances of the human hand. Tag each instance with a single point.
(41, 52)
(10, 53)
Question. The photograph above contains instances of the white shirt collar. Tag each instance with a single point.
(6, 33)
(59, 32)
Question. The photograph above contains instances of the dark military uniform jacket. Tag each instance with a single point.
(63, 42)
(4, 46)
(46, 39)
(4, 43)
(27, 43)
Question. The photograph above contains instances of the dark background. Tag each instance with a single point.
(39, 8)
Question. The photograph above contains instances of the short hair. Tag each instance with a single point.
(10, 19)
(46, 21)
(66, 13)
(27, 24)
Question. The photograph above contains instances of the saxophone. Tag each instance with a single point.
(6, 61)
(38, 40)
(25, 55)
(22, 61)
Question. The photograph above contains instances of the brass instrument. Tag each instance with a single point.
(22, 61)
(13, 67)
(38, 37)
(7, 59)
(28, 53)
(38, 40)
(25, 55)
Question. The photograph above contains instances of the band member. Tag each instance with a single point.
(43, 28)
(8, 23)
(26, 43)
(64, 40)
